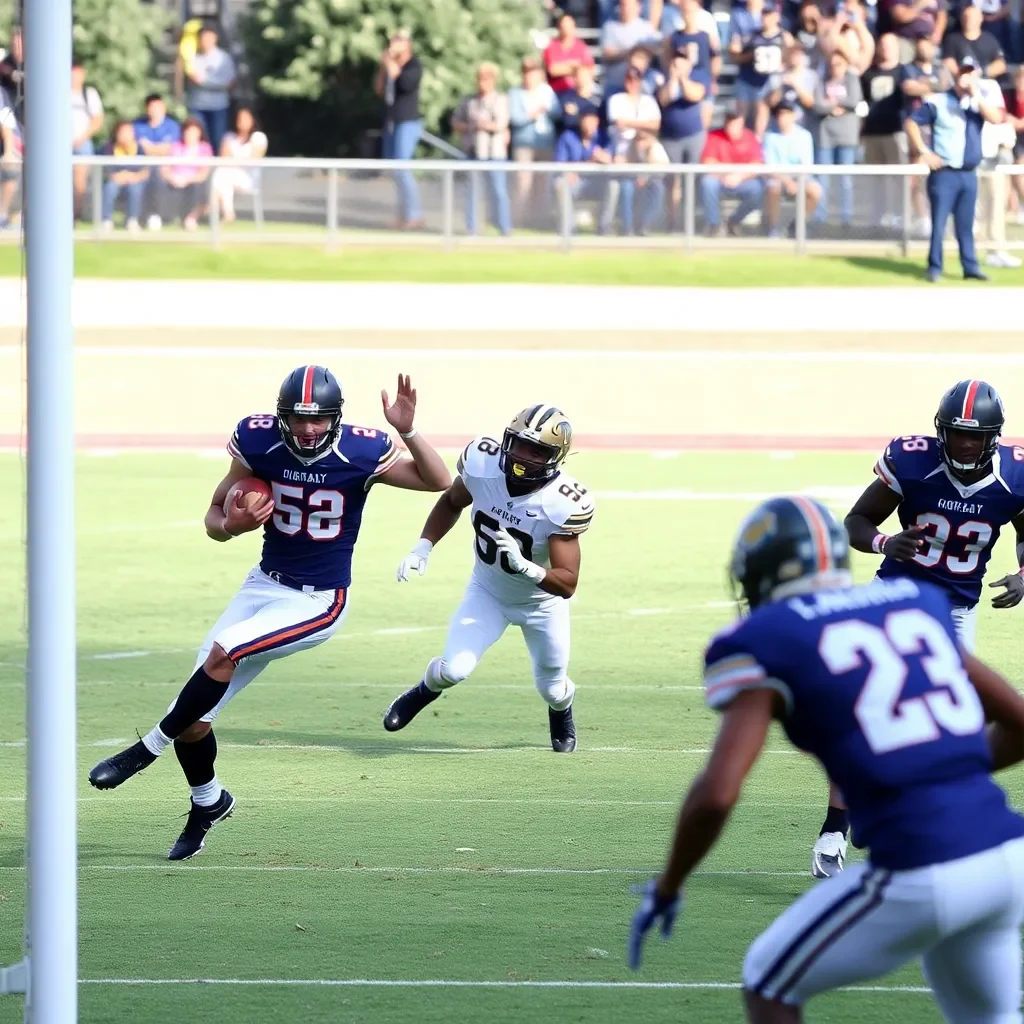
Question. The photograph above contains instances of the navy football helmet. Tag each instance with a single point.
(786, 546)
(974, 409)
(311, 391)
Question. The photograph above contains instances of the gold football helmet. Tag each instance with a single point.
(535, 444)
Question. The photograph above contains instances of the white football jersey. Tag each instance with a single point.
(562, 507)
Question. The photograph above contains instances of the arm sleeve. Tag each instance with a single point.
(517, 115)
(730, 672)
(389, 453)
(771, 155)
(579, 520)
(409, 78)
(885, 469)
(93, 102)
(234, 446)
(854, 94)
(924, 115)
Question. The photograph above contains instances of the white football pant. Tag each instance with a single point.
(966, 622)
(962, 919)
(478, 623)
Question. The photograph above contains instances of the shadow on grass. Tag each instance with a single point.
(886, 265)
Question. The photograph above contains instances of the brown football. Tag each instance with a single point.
(251, 488)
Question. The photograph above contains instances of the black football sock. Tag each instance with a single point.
(199, 695)
(196, 759)
(836, 820)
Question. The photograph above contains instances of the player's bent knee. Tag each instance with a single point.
(454, 670)
(557, 690)
(218, 664)
(195, 732)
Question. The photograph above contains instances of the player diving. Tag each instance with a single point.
(319, 471)
(528, 516)
(871, 681)
(953, 492)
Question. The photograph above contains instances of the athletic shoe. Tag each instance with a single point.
(829, 855)
(154, 223)
(200, 821)
(1002, 259)
(406, 707)
(109, 774)
(563, 730)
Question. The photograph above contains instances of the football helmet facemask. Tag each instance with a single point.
(968, 426)
(535, 445)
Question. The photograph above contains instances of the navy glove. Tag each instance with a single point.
(653, 908)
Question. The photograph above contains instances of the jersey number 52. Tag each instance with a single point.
(319, 514)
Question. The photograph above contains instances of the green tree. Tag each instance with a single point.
(314, 61)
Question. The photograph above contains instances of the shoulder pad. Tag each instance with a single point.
(254, 436)
(907, 458)
(1011, 468)
(569, 505)
(479, 459)
(370, 449)
(732, 666)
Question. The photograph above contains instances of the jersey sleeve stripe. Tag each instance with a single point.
(460, 465)
(388, 459)
(885, 474)
(721, 697)
(751, 674)
(234, 451)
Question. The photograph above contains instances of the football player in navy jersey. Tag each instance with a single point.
(320, 471)
(953, 492)
(871, 681)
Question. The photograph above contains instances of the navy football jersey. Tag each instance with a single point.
(318, 504)
(961, 522)
(766, 58)
(874, 688)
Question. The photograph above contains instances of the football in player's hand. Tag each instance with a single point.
(247, 506)
(252, 492)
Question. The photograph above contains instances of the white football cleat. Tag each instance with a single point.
(829, 855)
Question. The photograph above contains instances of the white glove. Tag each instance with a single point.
(509, 547)
(416, 560)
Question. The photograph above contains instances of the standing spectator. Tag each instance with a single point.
(849, 34)
(620, 38)
(997, 144)
(701, 20)
(744, 21)
(584, 98)
(564, 54)
(791, 146)
(12, 75)
(998, 23)
(702, 50)
(733, 143)
(187, 181)
(760, 58)
(797, 85)
(955, 118)
(398, 85)
(682, 127)
(808, 31)
(644, 149)
(533, 108)
(838, 99)
(244, 143)
(127, 179)
(974, 41)
(1015, 116)
(482, 122)
(11, 159)
(882, 131)
(211, 74)
(580, 146)
(629, 112)
(914, 20)
(155, 134)
(86, 121)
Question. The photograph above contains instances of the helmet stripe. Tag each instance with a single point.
(548, 413)
(532, 412)
(819, 532)
(307, 384)
(972, 390)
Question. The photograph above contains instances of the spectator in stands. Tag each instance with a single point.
(620, 38)
(914, 20)
(211, 74)
(11, 158)
(882, 131)
(564, 54)
(533, 109)
(128, 179)
(974, 41)
(797, 85)
(808, 31)
(1015, 116)
(398, 85)
(998, 23)
(744, 22)
(997, 144)
(155, 134)
(629, 112)
(649, 188)
(86, 122)
(246, 142)
(702, 50)
(187, 181)
(12, 75)
(583, 98)
(838, 102)
(482, 122)
(651, 77)
(733, 143)
(792, 146)
(682, 127)
(849, 34)
(759, 57)
(582, 145)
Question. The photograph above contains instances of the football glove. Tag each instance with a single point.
(415, 561)
(653, 908)
(1014, 584)
(517, 561)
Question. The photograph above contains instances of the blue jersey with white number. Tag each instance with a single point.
(961, 522)
(874, 687)
(766, 58)
(318, 503)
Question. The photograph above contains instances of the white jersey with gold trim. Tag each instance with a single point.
(562, 507)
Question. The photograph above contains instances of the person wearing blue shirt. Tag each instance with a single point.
(789, 145)
(588, 144)
(155, 134)
(955, 118)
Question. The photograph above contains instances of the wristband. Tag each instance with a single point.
(422, 547)
(406, 437)
(878, 544)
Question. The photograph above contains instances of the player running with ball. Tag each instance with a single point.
(319, 472)
(528, 516)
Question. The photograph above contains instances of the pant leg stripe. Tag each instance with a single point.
(290, 634)
(822, 919)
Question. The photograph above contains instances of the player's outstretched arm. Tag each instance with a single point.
(1004, 709)
(1013, 582)
(443, 516)
(221, 525)
(872, 508)
(426, 470)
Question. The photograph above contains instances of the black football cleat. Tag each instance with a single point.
(200, 821)
(563, 730)
(406, 707)
(109, 774)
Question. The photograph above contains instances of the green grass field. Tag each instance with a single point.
(468, 265)
(461, 850)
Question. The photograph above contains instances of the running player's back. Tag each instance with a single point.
(874, 687)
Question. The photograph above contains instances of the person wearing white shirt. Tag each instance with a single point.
(789, 145)
(644, 149)
(629, 112)
(997, 142)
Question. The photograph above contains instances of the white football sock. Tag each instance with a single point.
(208, 795)
(156, 742)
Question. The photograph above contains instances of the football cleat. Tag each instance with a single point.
(406, 707)
(829, 855)
(109, 774)
(200, 821)
(563, 730)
